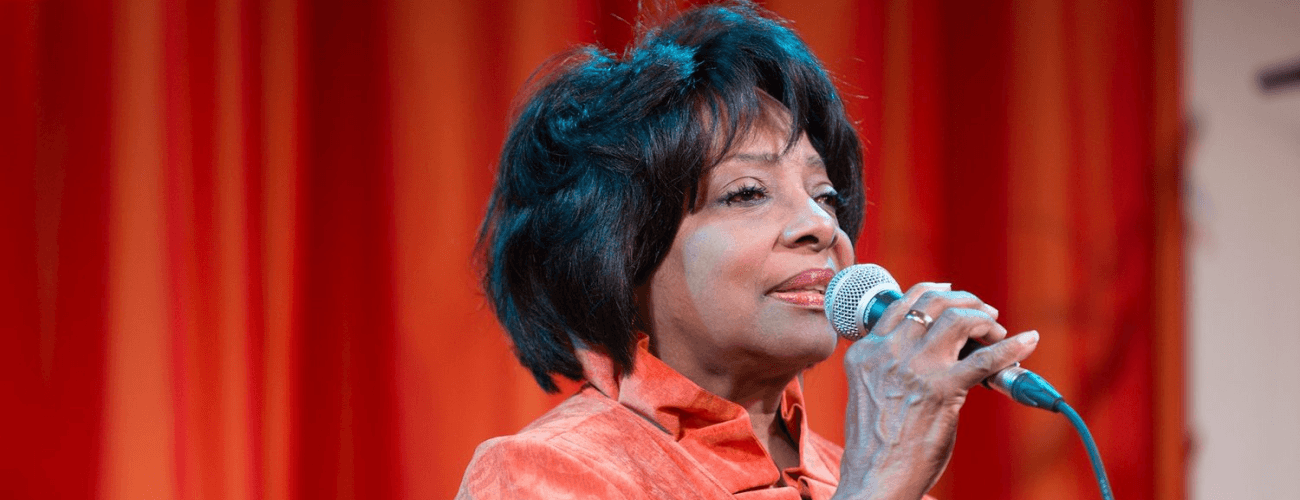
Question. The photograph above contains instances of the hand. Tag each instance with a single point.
(906, 387)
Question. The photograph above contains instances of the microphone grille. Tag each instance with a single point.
(846, 292)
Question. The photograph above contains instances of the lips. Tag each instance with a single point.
(807, 288)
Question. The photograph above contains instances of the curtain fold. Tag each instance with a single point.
(239, 234)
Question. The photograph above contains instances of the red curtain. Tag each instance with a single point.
(237, 235)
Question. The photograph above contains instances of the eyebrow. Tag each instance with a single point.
(771, 158)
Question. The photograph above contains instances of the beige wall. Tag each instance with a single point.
(1244, 202)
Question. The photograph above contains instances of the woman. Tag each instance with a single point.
(663, 227)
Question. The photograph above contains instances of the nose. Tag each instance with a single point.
(810, 225)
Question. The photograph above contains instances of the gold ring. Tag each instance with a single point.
(920, 317)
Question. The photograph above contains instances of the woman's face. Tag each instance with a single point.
(740, 290)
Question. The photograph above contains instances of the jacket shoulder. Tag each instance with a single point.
(564, 453)
(587, 447)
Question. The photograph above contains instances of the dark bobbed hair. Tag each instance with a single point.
(606, 155)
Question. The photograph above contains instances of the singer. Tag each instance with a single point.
(663, 227)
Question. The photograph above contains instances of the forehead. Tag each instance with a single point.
(768, 146)
(762, 134)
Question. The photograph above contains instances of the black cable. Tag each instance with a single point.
(1095, 456)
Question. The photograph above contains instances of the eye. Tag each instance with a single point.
(832, 200)
(746, 194)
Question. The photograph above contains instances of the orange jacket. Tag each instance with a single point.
(650, 434)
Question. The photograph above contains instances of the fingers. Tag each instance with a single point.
(933, 299)
(894, 313)
(955, 325)
(983, 363)
(933, 302)
(956, 317)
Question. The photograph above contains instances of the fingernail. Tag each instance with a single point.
(1028, 338)
(991, 308)
(945, 286)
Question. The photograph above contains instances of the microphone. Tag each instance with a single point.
(856, 298)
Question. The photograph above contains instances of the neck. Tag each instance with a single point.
(769, 426)
(758, 392)
(756, 386)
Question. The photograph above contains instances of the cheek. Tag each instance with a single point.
(843, 253)
(720, 262)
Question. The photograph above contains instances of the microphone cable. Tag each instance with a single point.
(1029, 389)
(1094, 456)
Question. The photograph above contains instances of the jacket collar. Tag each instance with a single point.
(714, 431)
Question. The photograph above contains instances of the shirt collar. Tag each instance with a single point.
(714, 431)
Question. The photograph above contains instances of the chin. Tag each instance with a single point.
(824, 348)
(805, 345)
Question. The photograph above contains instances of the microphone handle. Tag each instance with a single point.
(1021, 385)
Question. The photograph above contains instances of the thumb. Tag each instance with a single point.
(984, 362)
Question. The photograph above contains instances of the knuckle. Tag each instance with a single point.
(984, 360)
(863, 351)
(1002, 356)
(965, 296)
(977, 316)
(898, 307)
(963, 318)
(854, 358)
(857, 350)
(947, 319)
(953, 315)
(929, 297)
